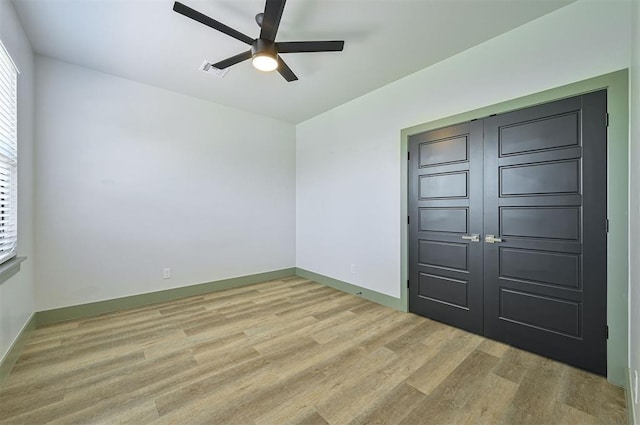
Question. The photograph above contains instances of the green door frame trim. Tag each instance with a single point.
(617, 85)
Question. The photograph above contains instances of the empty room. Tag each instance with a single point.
(269, 212)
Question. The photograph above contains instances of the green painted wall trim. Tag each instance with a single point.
(617, 85)
(368, 294)
(631, 414)
(9, 360)
(118, 304)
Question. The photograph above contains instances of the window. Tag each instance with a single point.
(8, 157)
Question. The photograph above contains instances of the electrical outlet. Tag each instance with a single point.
(353, 268)
(166, 273)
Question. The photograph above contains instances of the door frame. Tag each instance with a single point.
(617, 85)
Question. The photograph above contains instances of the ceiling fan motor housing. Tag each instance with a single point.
(264, 47)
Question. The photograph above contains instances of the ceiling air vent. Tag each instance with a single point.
(210, 69)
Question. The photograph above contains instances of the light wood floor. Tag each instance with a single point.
(290, 352)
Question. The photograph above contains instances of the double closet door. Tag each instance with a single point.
(507, 228)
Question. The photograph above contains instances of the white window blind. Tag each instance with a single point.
(8, 156)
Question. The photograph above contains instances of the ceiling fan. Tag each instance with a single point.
(264, 51)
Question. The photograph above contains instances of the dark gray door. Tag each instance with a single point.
(445, 207)
(532, 184)
(545, 204)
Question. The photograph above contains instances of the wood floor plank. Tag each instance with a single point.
(230, 380)
(244, 407)
(393, 409)
(289, 351)
(444, 361)
(374, 388)
(312, 418)
(37, 378)
(334, 385)
(515, 364)
(591, 394)
(568, 415)
(14, 400)
(494, 348)
(489, 409)
(540, 387)
(443, 404)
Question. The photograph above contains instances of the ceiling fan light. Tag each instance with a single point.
(264, 62)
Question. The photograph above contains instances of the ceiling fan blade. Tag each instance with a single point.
(210, 22)
(271, 19)
(310, 46)
(233, 60)
(285, 71)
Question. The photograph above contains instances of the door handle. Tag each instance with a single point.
(492, 239)
(473, 237)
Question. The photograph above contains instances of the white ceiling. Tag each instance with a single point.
(144, 40)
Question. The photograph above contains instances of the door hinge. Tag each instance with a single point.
(408, 156)
(606, 225)
(607, 331)
(407, 283)
(408, 220)
(606, 119)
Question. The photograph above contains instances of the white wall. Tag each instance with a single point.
(634, 203)
(348, 159)
(132, 179)
(17, 293)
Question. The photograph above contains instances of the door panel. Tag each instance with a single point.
(546, 268)
(551, 132)
(444, 186)
(540, 179)
(561, 316)
(444, 151)
(446, 220)
(545, 197)
(540, 222)
(443, 290)
(445, 205)
(444, 255)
